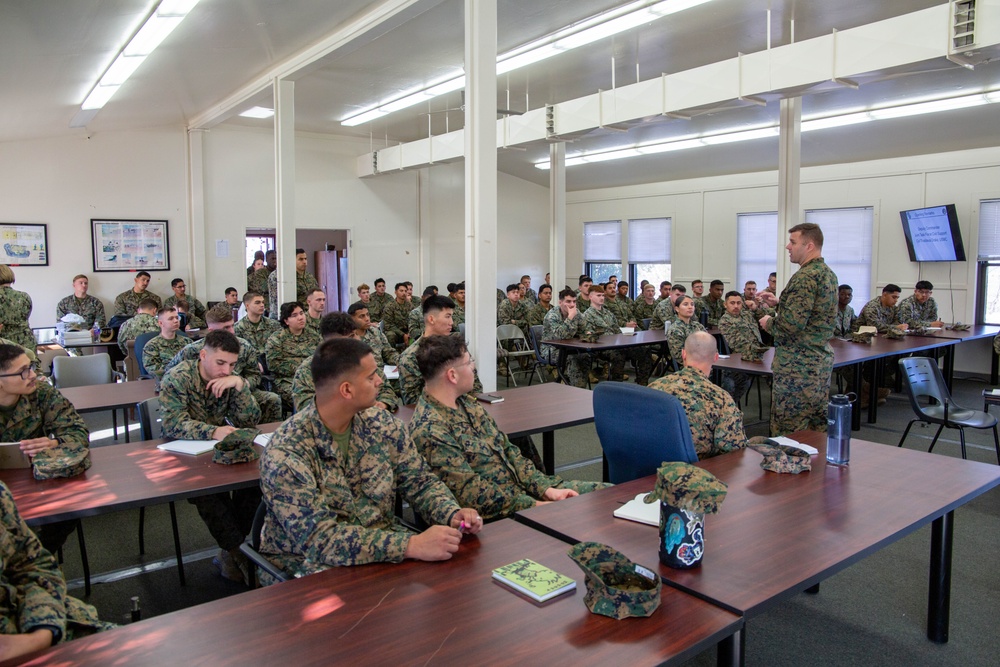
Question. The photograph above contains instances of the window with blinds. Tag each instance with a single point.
(756, 248)
(988, 283)
(847, 247)
(602, 249)
(648, 252)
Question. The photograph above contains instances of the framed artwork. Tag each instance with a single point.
(130, 245)
(24, 245)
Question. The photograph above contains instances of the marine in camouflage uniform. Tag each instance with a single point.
(803, 359)
(15, 309)
(845, 323)
(509, 312)
(603, 322)
(305, 283)
(457, 315)
(642, 310)
(395, 321)
(410, 378)
(663, 313)
(30, 353)
(195, 312)
(304, 388)
(257, 282)
(916, 314)
(677, 333)
(256, 333)
(135, 327)
(312, 326)
(127, 302)
(479, 464)
(385, 354)
(326, 510)
(536, 316)
(622, 313)
(377, 305)
(557, 327)
(742, 335)
(89, 308)
(415, 323)
(158, 351)
(716, 309)
(716, 423)
(530, 296)
(247, 367)
(284, 352)
(191, 412)
(35, 594)
(874, 314)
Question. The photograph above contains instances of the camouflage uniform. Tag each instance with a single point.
(716, 309)
(716, 423)
(135, 327)
(501, 295)
(195, 311)
(305, 283)
(466, 449)
(663, 313)
(29, 352)
(874, 314)
(15, 309)
(158, 351)
(304, 389)
(385, 354)
(34, 590)
(458, 315)
(642, 310)
(324, 511)
(257, 333)
(918, 314)
(127, 302)
(536, 316)
(603, 322)
(395, 321)
(556, 327)
(45, 413)
(377, 305)
(531, 296)
(742, 334)
(510, 313)
(803, 359)
(415, 322)
(582, 302)
(89, 308)
(312, 327)
(845, 322)
(247, 367)
(257, 282)
(412, 382)
(284, 353)
(677, 334)
(191, 412)
(623, 314)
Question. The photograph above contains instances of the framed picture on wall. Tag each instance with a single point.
(130, 245)
(24, 244)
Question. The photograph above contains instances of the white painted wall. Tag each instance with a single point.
(66, 181)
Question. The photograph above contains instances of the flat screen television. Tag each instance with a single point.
(933, 235)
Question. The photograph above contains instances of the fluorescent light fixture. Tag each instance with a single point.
(571, 37)
(258, 112)
(851, 117)
(167, 16)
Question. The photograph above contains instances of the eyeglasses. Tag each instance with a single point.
(25, 373)
(470, 362)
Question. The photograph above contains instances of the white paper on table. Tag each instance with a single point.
(263, 439)
(637, 510)
(192, 447)
(391, 372)
(788, 442)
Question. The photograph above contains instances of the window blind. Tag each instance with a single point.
(847, 247)
(989, 229)
(756, 248)
(602, 241)
(649, 241)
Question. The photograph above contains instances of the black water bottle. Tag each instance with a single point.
(838, 429)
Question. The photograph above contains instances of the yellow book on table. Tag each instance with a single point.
(534, 580)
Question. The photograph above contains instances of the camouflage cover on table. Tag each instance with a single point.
(688, 487)
(237, 447)
(616, 586)
(781, 458)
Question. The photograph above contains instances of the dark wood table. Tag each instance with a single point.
(607, 343)
(778, 535)
(414, 613)
(975, 332)
(541, 408)
(112, 396)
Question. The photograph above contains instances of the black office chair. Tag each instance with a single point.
(140, 343)
(535, 333)
(252, 550)
(640, 428)
(922, 379)
(149, 423)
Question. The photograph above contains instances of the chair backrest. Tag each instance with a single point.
(922, 378)
(149, 418)
(646, 322)
(536, 341)
(46, 356)
(258, 525)
(140, 342)
(80, 371)
(639, 429)
(509, 332)
(461, 329)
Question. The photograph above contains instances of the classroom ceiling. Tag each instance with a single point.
(52, 51)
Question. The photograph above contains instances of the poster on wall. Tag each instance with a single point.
(130, 245)
(24, 245)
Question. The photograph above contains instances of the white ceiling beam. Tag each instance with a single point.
(902, 40)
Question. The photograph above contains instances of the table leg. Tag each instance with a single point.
(949, 366)
(731, 651)
(994, 367)
(125, 419)
(939, 593)
(856, 411)
(549, 452)
(873, 384)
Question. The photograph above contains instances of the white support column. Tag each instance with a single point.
(557, 216)
(284, 186)
(481, 185)
(196, 213)
(789, 164)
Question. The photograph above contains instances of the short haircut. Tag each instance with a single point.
(696, 281)
(623, 282)
(525, 276)
(6, 275)
(258, 254)
(223, 341)
(250, 296)
(666, 283)
(335, 357)
(166, 309)
(313, 291)
(181, 303)
(435, 303)
(143, 274)
(565, 293)
(810, 231)
(408, 284)
(80, 275)
(434, 353)
(891, 289)
(923, 284)
(336, 324)
(299, 251)
(430, 290)
(355, 307)
(8, 353)
(680, 288)
(147, 304)
(843, 287)
(586, 279)
(600, 286)
(716, 282)
(452, 288)
(544, 286)
(230, 290)
(772, 274)
(379, 280)
(701, 346)
(514, 287)
(398, 285)
(286, 311)
(364, 286)
(176, 281)
(732, 293)
(220, 313)
(750, 282)
(460, 287)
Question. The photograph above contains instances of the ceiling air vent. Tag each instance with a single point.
(962, 46)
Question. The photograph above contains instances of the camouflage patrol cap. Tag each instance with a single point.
(754, 355)
(616, 586)
(894, 333)
(917, 331)
(780, 458)
(688, 487)
(589, 337)
(958, 326)
(60, 462)
(858, 337)
(237, 447)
